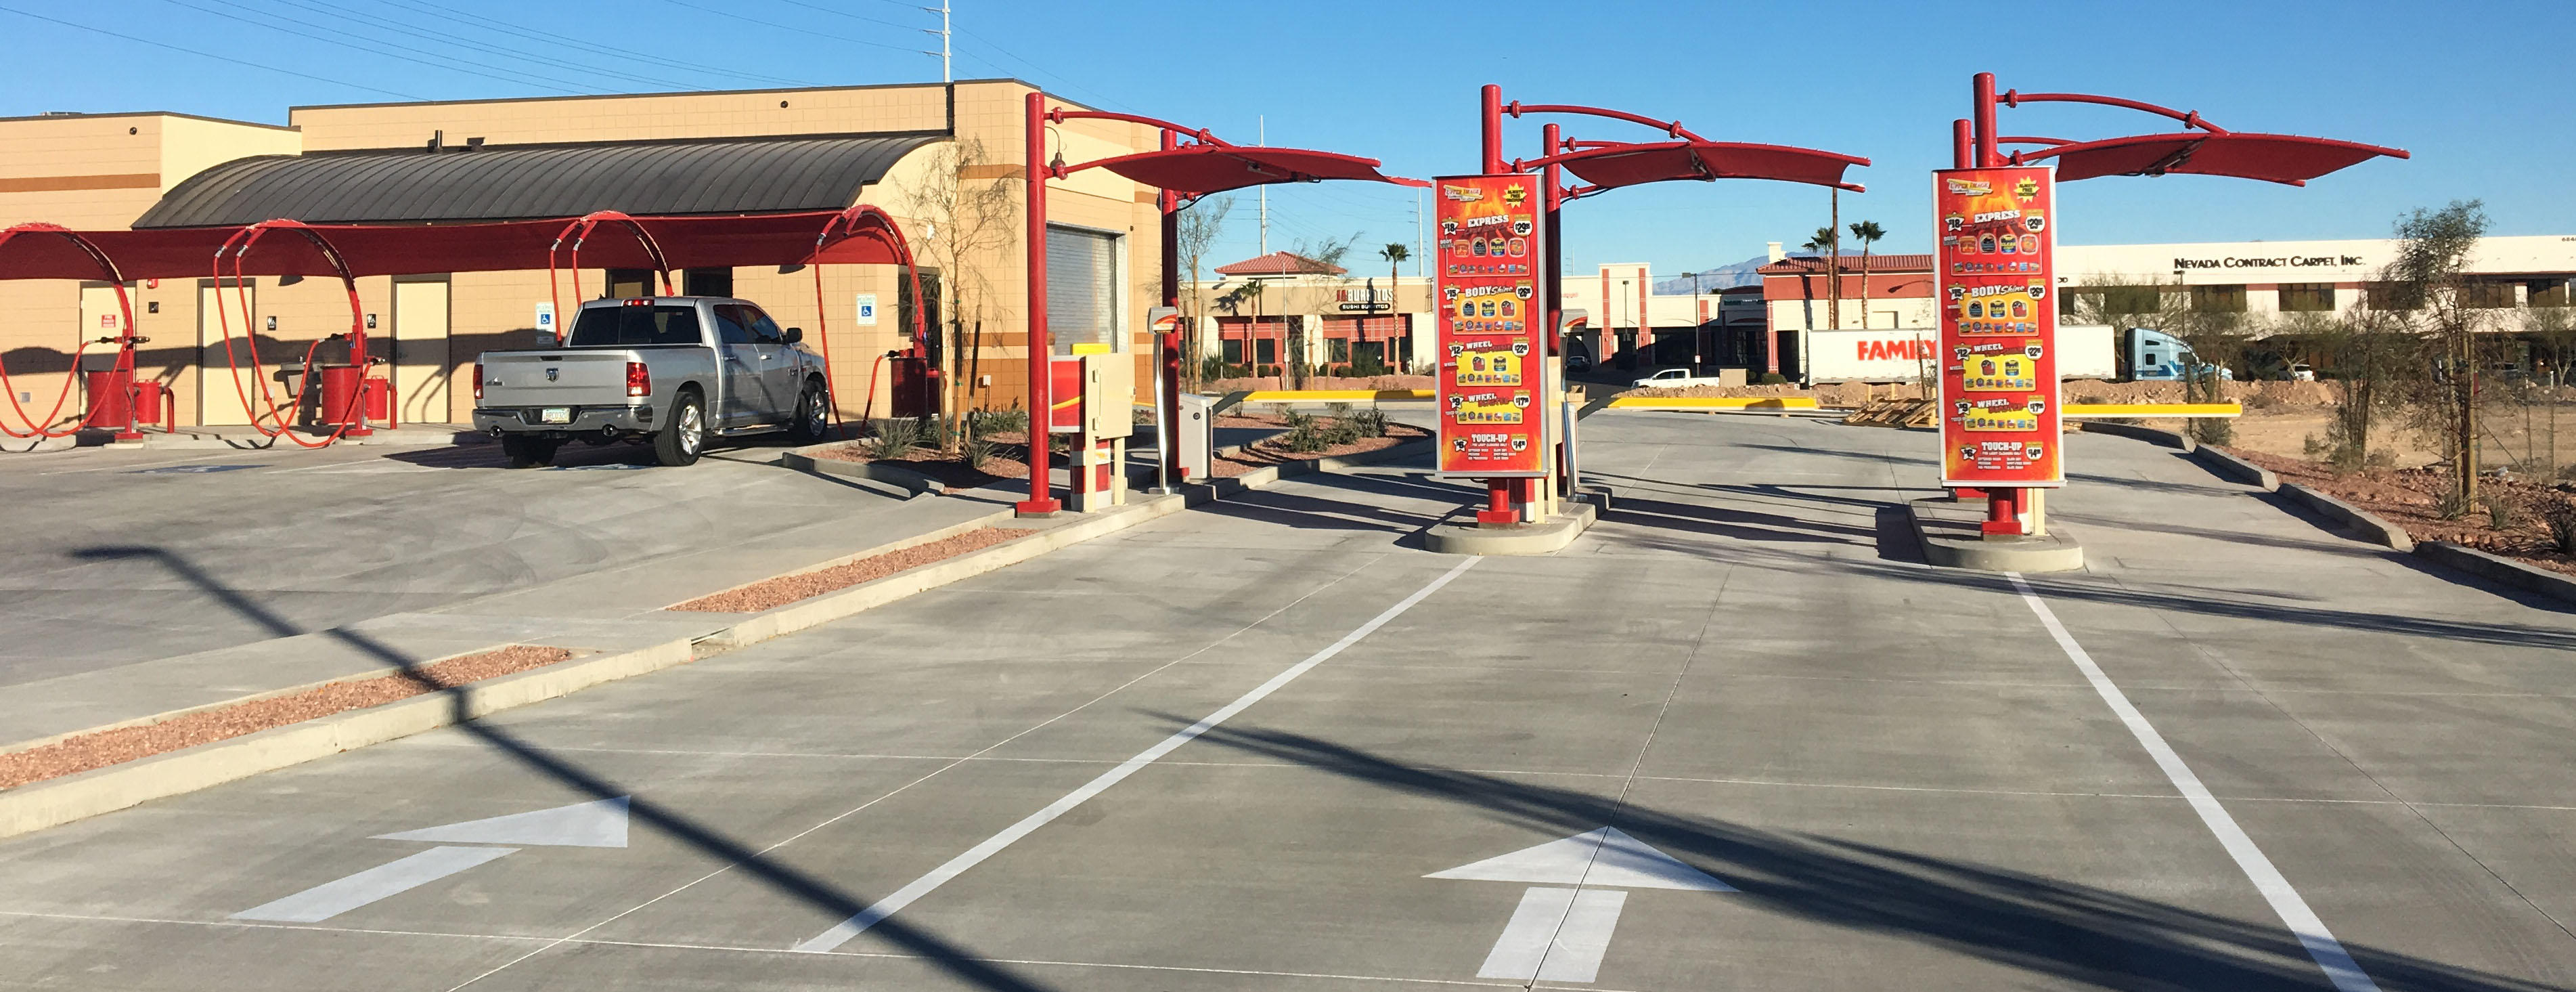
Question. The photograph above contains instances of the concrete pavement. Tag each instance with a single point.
(1224, 751)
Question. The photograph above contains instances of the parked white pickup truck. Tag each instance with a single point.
(1677, 378)
(663, 370)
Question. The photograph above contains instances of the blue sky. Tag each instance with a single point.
(2479, 91)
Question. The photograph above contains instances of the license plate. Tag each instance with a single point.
(555, 415)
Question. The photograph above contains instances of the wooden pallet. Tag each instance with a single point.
(1894, 413)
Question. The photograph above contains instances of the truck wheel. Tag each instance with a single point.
(681, 440)
(813, 416)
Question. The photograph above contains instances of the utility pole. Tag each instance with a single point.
(946, 75)
(1833, 268)
(1261, 131)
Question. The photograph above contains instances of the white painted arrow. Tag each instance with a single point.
(601, 823)
(1559, 934)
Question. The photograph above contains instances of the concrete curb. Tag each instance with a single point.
(2362, 523)
(54, 802)
(1950, 539)
(1545, 537)
(2170, 439)
(2230, 467)
(2500, 570)
(901, 478)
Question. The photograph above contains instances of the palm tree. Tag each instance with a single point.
(1231, 300)
(1395, 255)
(1865, 232)
(1826, 244)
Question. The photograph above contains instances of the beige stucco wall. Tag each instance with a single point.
(120, 175)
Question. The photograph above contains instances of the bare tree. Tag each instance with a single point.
(972, 215)
(1199, 227)
(2430, 294)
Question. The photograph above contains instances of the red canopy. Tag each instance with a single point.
(2279, 158)
(1198, 170)
(1619, 165)
(376, 250)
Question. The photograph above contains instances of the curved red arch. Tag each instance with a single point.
(240, 244)
(578, 231)
(125, 356)
(863, 221)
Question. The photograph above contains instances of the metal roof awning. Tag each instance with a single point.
(2280, 158)
(1626, 164)
(771, 175)
(1199, 170)
(375, 250)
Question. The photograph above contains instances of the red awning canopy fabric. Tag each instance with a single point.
(2280, 158)
(383, 249)
(1199, 170)
(1614, 166)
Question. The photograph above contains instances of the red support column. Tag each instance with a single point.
(1167, 413)
(1963, 144)
(1041, 501)
(1983, 92)
(1491, 112)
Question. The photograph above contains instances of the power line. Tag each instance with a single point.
(370, 20)
(506, 75)
(783, 27)
(543, 58)
(503, 27)
(211, 55)
(855, 17)
(1067, 86)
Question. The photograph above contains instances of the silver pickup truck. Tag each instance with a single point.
(669, 371)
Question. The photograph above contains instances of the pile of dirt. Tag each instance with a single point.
(2410, 498)
(1322, 382)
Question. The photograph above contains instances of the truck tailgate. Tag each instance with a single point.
(555, 378)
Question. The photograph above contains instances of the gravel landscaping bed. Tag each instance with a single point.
(85, 752)
(774, 593)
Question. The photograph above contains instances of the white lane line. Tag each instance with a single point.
(841, 933)
(2329, 953)
(1578, 924)
(341, 895)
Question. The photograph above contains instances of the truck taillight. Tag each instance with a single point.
(478, 380)
(639, 381)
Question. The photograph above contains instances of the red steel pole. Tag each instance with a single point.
(1167, 417)
(1491, 112)
(1041, 501)
(1983, 92)
(1963, 144)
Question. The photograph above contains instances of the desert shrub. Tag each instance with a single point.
(894, 437)
(1369, 423)
(982, 422)
(2502, 512)
(2560, 515)
(978, 451)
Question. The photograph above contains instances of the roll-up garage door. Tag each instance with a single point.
(1082, 290)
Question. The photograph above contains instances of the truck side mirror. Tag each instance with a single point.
(795, 334)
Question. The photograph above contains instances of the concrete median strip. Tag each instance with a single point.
(104, 790)
(69, 797)
(2362, 523)
(2501, 570)
(2230, 467)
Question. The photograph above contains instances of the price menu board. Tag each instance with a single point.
(1998, 277)
(1492, 355)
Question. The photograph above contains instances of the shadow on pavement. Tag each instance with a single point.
(2063, 930)
(793, 883)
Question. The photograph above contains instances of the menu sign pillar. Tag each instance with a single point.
(1493, 356)
(1999, 388)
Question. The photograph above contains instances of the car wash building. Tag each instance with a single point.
(942, 159)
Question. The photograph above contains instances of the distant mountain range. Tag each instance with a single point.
(1722, 277)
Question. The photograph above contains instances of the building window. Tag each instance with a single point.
(1234, 351)
(707, 282)
(2218, 299)
(2307, 297)
(2486, 295)
(2133, 299)
(2548, 293)
(2391, 296)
